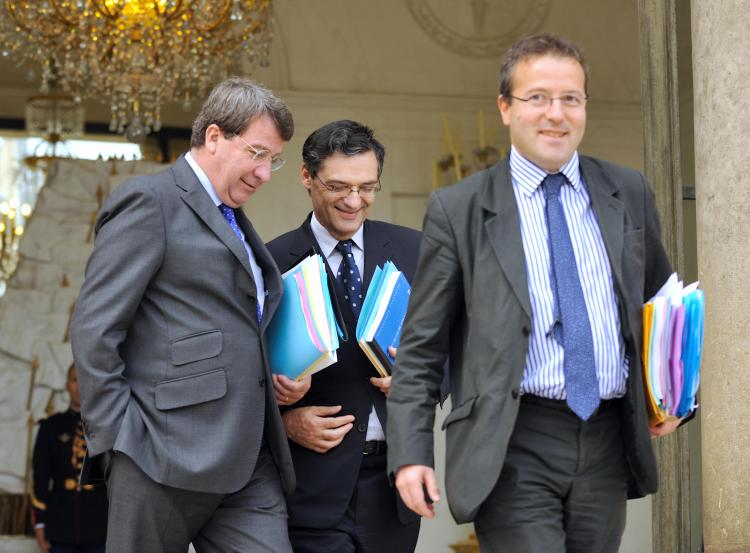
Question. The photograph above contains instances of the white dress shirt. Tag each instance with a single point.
(543, 374)
(334, 258)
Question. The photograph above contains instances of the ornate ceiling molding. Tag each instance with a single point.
(524, 18)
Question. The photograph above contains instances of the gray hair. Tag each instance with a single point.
(232, 106)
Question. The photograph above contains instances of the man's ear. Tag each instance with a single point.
(306, 178)
(213, 134)
(503, 105)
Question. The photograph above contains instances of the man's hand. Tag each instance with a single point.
(413, 483)
(316, 428)
(667, 427)
(290, 391)
(41, 539)
(384, 383)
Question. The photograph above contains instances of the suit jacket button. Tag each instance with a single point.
(362, 427)
(525, 331)
(514, 393)
(262, 382)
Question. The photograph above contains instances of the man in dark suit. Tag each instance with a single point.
(67, 517)
(343, 501)
(532, 275)
(168, 338)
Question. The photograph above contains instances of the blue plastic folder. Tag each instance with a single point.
(672, 344)
(302, 336)
(382, 316)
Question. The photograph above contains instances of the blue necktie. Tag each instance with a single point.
(349, 277)
(572, 328)
(228, 214)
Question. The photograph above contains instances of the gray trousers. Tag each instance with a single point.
(563, 487)
(148, 517)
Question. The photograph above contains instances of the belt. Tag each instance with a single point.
(562, 405)
(375, 447)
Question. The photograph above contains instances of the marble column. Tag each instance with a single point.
(721, 77)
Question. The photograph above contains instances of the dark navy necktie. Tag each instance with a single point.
(349, 277)
(228, 214)
(572, 329)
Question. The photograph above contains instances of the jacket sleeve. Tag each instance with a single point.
(419, 370)
(41, 463)
(128, 251)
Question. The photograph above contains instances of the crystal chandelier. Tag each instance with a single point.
(136, 53)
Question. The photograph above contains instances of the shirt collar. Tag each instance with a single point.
(203, 178)
(528, 176)
(328, 243)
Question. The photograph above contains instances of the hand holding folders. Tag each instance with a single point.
(672, 345)
(303, 336)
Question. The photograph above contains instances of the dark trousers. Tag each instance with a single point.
(563, 486)
(148, 517)
(371, 523)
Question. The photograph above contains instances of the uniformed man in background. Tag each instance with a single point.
(67, 517)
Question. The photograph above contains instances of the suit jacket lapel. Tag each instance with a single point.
(199, 201)
(271, 275)
(378, 250)
(503, 228)
(610, 213)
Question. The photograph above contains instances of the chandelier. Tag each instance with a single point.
(12, 217)
(136, 53)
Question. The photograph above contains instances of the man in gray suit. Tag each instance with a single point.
(532, 275)
(168, 338)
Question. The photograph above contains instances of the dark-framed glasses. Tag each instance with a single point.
(540, 100)
(344, 189)
(263, 155)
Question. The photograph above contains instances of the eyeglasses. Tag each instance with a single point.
(341, 189)
(541, 100)
(261, 156)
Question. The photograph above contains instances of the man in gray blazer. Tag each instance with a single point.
(531, 276)
(168, 338)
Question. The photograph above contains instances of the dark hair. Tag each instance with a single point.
(342, 137)
(538, 45)
(234, 103)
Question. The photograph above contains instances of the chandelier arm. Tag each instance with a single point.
(63, 16)
(101, 7)
(176, 11)
(220, 20)
(13, 11)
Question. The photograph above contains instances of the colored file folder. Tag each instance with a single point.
(672, 345)
(382, 316)
(302, 336)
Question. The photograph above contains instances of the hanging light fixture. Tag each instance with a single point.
(136, 53)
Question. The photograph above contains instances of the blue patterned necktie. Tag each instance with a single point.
(349, 277)
(228, 214)
(572, 328)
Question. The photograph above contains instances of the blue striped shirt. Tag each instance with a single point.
(543, 374)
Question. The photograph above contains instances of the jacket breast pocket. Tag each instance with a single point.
(197, 347)
(460, 412)
(191, 390)
(633, 240)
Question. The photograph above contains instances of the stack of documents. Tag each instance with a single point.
(302, 336)
(672, 344)
(382, 316)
